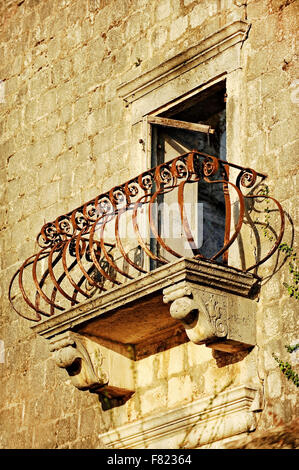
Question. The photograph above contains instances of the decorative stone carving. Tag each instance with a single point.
(208, 318)
(198, 424)
(84, 368)
(84, 362)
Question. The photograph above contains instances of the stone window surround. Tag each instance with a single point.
(214, 59)
(199, 424)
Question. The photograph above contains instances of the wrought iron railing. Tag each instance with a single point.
(78, 259)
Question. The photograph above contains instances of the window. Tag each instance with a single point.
(176, 131)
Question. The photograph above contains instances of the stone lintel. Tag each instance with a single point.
(201, 422)
(137, 86)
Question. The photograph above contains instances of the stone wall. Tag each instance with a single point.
(66, 136)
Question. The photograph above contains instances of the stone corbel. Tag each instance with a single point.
(84, 369)
(222, 321)
(83, 361)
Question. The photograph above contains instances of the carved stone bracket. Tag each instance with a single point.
(219, 320)
(83, 368)
(83, 361)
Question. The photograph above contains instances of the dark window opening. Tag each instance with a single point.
(208, 215)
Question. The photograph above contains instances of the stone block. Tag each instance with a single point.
(102, 144)
(133, 27)
(273, 83)
(54, 48)
(257, 10)
(20, 440)
(159, 37)
(256, 145)
(87, 422)
(44, 436)
(256, 65)
(153, 399)
(269, 363)
(7, 149)
(81, 107)
(198, 354)
(75, 133)
(15, 163)
(39, 83)
(32, 111)
(274, 384)
(56, 144)
(48, 102)
(283, 131)
(176, 360)
(163, 10)
(12, 85)
(271, 321)
(13, 121)
(79, 60)
(95, 121)
(178, 27)
(49, 194)
(80, 175)
(65, 93)
(286, 105)
(145, 372)
(84, 152)
(198, 15)
(66, 114)
(101, 165)
(62, 71)
(179, 390)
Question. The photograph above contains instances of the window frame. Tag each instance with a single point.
(155, 119)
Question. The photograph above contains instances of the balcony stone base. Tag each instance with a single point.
(188, 300)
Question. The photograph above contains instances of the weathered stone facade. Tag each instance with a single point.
(66, 134)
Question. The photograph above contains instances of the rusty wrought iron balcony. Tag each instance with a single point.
(121, 234)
